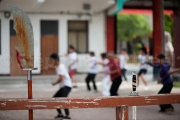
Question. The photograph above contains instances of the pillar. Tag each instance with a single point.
(176, 36)
(158, 32)
(111, 33)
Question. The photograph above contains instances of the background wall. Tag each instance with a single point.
(96, 38)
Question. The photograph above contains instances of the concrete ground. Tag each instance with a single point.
(16, 87)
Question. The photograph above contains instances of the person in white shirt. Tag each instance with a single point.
(64, 80)
(143, 67)
(72, 64)
(92, 71)
(123, 57)
(106, 79)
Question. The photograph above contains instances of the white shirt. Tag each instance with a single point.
(72, 57)
(92, 65)
(142, 59)
(105, 68)
(61, 70)
(123, 61)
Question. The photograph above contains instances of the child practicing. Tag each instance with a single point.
(106, 79)
(64, 80)
(73, 64)
(72, 57)
(123, 57)
(164, 72)
(143, 67)
(114, 72)
(92, 71)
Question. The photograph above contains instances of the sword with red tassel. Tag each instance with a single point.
(25, 50)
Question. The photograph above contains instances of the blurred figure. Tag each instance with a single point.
(169, 50)
(72, 55)
(64, 80)
(106, 78)
(164, 72)
(123, 57)
(114, 72)
(143, 67)
(92, 71)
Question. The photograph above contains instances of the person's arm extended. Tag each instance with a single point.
(171, 72)
(74, 61)
(47, 68)
(103, 64)
(127, 57)
(153, 64)
(64, 55)
(61, 77)
(174, 71)
(114, 71)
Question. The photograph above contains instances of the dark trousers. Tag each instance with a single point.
(91, 77)
(124, 73)
(166, 89)
(115, 86)
(63, 92)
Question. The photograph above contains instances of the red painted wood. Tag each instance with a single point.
(157, 28)
(122, 113)
(29, 89)
(30, 97)
(88, 102)
(110, 33)
(30, 114)
(142, 11)
(176, 36)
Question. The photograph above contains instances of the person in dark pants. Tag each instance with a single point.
(92, 71)
(123, 57)
(64, 80)
(114, 72)
(143, 68)
(164, 72)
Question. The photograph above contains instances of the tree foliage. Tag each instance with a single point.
(168, 23)
(130, 27)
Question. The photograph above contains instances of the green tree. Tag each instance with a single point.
(168, 24)
(132, 28)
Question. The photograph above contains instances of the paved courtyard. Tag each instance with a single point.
(16, 87)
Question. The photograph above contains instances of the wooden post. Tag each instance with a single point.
(122, 113)
(158, 31)
(111, 33)
(29, 80)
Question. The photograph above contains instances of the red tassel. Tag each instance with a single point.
(19, 58)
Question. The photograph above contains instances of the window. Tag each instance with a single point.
(78, 35)
(12, 31)
(49, 27)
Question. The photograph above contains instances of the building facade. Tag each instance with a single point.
(55, 27)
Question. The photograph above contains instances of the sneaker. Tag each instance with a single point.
(67, 117)
(146, 88)
(59, 116)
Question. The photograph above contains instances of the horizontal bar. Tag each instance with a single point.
(88, 102)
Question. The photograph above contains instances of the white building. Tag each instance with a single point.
(56, 24)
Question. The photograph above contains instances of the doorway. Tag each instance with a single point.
(49, 43)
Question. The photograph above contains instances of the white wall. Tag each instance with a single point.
(96, 38)
(5, 46)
